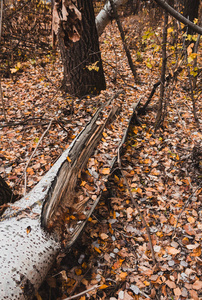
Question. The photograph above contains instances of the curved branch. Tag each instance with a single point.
(178, 16)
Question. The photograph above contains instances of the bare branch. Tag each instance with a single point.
(25, 172)
(178, 16)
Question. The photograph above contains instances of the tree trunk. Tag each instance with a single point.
(191, 8)
(6, 194)
(83, 71)
(105, 15)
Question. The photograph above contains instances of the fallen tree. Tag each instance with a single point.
(34, 229)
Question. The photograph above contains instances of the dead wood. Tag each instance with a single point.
(142, 110)
(27, 249)
(130, 62)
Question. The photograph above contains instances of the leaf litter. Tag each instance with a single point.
(160, 168)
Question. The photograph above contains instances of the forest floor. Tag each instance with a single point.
(163, 169)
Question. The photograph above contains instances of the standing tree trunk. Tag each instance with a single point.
(159, 116)
(191, 8)
(6, 194)
(83, 71)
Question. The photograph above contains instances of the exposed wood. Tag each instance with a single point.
(27, 250)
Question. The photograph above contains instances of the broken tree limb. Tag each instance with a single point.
(142, 110)
(27, 249)
(127, 51)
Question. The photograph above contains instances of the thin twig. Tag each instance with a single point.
(2, 101)
(83, 293)
(41, 138)
(185, 205)
(137, 207)
(1, 16)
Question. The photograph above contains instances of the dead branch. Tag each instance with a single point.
(84, 292)
(178, 16)
(130, 62)
(2, 101)
(159, 117)
(41, 138)
(142, 110)
(185, 205)
(137, 207)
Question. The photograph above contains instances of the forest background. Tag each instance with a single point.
(162, 164)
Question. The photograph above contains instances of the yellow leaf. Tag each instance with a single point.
(78, 272)
(69, 159)
(116, 178)
(102, 287)
(170, 29)
(147, 283)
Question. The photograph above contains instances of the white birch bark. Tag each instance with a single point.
(104, 15)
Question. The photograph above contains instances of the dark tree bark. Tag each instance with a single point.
(6, 194)
(83, 71)
(191, 8)
(130, 62)
(159, 116)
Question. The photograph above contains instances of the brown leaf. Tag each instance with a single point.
(189, 229)
(171, 284)
(197, 285)
(172, 250)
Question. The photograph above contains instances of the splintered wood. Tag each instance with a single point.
(81, 179)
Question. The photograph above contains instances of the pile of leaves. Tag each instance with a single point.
(113, 259)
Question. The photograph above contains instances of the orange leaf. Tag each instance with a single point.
(69, 159)
(188, 228)
(105, 171)
(104, 286)
(78, 272)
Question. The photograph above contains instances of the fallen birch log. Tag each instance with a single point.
(34, 229)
